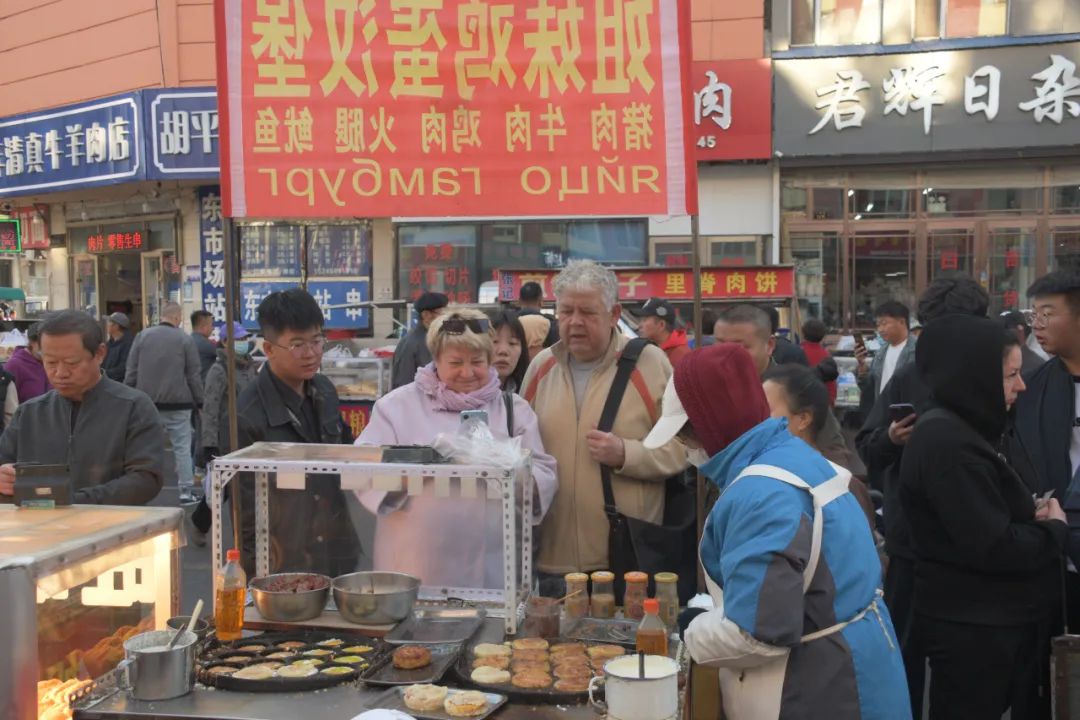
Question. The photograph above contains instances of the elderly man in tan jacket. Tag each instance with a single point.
(567, 385)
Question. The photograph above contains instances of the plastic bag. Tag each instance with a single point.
(473, 444)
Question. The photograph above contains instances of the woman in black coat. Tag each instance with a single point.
(987, 561)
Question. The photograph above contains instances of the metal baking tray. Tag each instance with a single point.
(437, 625)
(597, 630)
(393, 699)
(383, 672)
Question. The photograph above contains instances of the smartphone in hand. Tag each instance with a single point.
(899, 411)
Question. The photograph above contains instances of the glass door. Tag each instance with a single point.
(161, 284)
(882, 268)
(816, 257)
(86, 284)
(1011, 266)
(950, 250)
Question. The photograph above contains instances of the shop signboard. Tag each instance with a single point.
(731, 109)
(253, 292)
(10, 237)
(212, 253)
(106, 243)
(329, 293)
(356, 416)
(84, 145)
(639, 284)
(955, 100)
(458, 108)
(182, 133)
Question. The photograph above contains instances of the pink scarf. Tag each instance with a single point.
(446, 399)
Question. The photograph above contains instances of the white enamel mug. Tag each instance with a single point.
(631, 697)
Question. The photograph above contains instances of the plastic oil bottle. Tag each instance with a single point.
(230, 590)
(652, 634)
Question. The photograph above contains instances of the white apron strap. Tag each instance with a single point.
(822, 495)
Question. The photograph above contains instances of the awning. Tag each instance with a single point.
(7, 293)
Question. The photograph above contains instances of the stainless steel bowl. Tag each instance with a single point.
(289, 606)
(375, 598)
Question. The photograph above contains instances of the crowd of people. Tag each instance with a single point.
(823, 597)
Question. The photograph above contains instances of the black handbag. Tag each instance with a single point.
(635, 544)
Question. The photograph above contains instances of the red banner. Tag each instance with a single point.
(731, 109)
(640, 284)
(356, 416)
(425, 108)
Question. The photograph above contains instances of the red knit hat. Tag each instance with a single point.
(721, 391)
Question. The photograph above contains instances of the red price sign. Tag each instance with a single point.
(114, 242)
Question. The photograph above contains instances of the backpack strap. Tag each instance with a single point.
(508, 398)
(624, 367)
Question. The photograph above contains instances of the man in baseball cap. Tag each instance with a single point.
(658, 325)
(412, 352)
(118, 326)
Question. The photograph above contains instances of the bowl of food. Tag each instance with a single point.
(375, 598)
(290, 597)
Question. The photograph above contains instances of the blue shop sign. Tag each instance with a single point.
(99, 142)
(143, 135)
(182, 133)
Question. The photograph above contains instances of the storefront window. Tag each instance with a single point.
(270, 251)
(440, 258)
(828, 203)
(793, 199)
(976, 18)
(37, 283)
(673, 254)
(882, 270)
(1012, 269)
(520, 247)
(849, 22)
(1045, 17)
(802, 22)
(162, 235)
(612, 242)
(816, 258)
(1067, 199)
(950, 252)
(927, 19)
(1065, 243)
(732, 252)
(6, 273)
(1005, 201)
(881, 203)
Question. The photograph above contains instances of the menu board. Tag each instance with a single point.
(10, 236)
(339, 251)
(270, 251)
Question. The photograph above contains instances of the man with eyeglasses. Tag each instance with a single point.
(1048, 413)
(310, 529)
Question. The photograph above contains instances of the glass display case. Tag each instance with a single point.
(75, 583)
(357, 379)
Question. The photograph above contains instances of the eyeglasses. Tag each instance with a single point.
(1039, 319)
(297, 348)
(457, 325)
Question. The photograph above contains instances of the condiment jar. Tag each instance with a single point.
(637, 589)
(667, 593)
(603, 594)
(576, 605)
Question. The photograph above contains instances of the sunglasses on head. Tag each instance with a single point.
(457, 326)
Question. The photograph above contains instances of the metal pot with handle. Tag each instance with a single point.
(153, 671)
(629, 696)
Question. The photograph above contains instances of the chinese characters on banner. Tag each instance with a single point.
(732, 109)
(455, 107)
(356, 416)
(1013, 96)
(212, 245)
(640, 284)
(183, 132)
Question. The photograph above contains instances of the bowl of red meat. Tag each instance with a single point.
(290, 597)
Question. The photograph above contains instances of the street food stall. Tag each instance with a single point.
(316, 647)
(76, 583)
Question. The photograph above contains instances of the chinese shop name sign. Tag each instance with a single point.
(422, 108)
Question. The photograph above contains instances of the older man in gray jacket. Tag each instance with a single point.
(164, 364)
(107, 434)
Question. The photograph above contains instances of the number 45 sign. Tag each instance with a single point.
(732, 106)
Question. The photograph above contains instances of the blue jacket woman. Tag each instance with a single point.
(799, 629)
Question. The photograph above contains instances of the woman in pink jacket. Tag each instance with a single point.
(411, 531)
